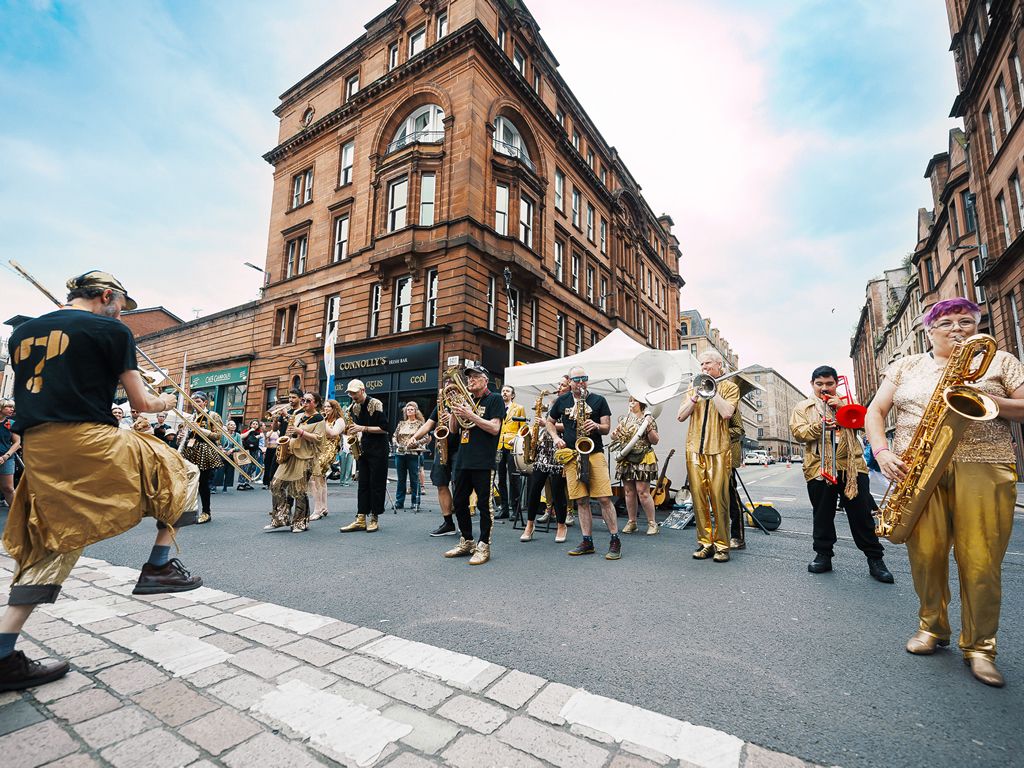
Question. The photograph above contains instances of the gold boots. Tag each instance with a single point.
(372, 524)
(359, 524)
(462, 549)
(482, 554)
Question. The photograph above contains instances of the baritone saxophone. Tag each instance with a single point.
(953, 406)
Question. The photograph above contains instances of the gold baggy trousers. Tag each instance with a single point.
(709, 484)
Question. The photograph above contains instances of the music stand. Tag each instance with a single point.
(753, 517)
(524, 498)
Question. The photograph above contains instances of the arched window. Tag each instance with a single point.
(508, 141)
(424, 125)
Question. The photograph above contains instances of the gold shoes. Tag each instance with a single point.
(359, 524)
(652, 529)
(372, 524)
(703, 553)
(462, 549)
(629, 527)
(722, 556)
(203, 518)
(923, 644)
(984, 669)
(481, 555)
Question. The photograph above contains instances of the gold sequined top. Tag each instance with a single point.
(915, 379)
(709, 432)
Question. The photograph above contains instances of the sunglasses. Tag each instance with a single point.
(308, 400)
(579, 379)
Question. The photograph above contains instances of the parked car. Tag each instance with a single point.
(756, 457)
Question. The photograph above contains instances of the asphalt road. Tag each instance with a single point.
(809, 665)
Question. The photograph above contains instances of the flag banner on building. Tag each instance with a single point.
(329, 363)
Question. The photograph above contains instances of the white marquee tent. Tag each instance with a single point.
(606, 363)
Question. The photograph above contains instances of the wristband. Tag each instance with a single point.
(882, 450)
(693, 399)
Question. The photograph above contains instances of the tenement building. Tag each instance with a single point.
(889, 327)
(772, 406)
(697, 334)
(436, 184)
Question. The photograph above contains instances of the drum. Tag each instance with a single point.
(519, 455)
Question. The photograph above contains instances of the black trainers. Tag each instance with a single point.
(584, 548)
(18, 673)
(614, 550)
(446, 528)
(171, 577)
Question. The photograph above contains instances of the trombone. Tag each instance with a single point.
(150, 385)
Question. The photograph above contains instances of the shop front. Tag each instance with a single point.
(226, 389)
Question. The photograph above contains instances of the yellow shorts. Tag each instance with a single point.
(600, 485)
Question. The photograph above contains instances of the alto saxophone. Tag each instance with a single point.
(951, 409)
(441, 431)
(584, 445)
(352, 441)
(531, 433)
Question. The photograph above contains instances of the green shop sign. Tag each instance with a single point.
(219, 378)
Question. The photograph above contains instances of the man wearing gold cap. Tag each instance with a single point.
(67, 365)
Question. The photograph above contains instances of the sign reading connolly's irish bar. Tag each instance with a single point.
(219, 378)
(412, 357)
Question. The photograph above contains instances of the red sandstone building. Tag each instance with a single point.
(436, 151)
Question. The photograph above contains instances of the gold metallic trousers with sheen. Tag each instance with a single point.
(972, 511)
(709, 484)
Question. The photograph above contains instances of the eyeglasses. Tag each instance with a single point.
(579, 379)
(946, 325)
(308, 400)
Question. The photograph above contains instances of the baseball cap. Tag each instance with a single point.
(355, 385)
(478, 369)
(97, 279)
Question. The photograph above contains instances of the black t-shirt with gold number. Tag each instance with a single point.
(478, 449)
(66, 367)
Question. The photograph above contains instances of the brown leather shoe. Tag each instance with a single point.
(984, 669)
(923, 644)
(18, 672)
(722, 556)
(703, 553)
(171, 577)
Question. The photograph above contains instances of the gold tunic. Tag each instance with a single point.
(915, 379)
(326, 454)
(301, 453)
(711, 437)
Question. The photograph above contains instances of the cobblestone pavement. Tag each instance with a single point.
(208, 678)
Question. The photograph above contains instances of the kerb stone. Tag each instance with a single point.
(478, 715)
(551, 744)
(515, 689)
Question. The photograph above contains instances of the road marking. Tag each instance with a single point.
(205, 595)
(780, 498)
(80, 611)
(466, 672)
(340, 727)
(178, 653)
(696, 744)
(286, 618)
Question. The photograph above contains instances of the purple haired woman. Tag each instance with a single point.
(971, 509)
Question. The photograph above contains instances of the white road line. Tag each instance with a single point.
(178, 653)
(286, 618)
(80, 611)
(346, 729)
(466, 672)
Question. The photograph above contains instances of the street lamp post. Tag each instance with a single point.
(266, 275)
(512, 309)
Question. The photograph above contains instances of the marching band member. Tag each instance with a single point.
(547, 474)
(507, 479)
(305, 435)
(972, 507)
(10, 444)
(202, 453)
(474, 463)
(586, 415)
(709, 459)
(441, 473)
(67, 365)
(334, 427)
(852, 487)
(407, 455)
(639, 469)
(369, 422)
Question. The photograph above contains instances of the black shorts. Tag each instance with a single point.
(440, 475)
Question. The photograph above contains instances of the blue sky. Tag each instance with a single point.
(787, 139)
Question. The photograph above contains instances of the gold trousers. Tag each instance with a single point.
(709, 484)
(972, 511)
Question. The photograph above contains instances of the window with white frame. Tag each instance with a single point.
(559, 190)
(348, 155)
(1018, 199)
(332, 314)
(590, 158)
(424, 125)
(515, 320)
(526, 221)
(296, 256)
(579, 337)
(979, 291)
(302, 188)
(374, 325)
(430, 313)
(604, 235)
(976, 39)
(501, 209)
(492, 298)
(593, 337)
(1004, 105)
(417, 41)
(442, 25)
(602, 300)
(990, 125)
(604, 176)
(403, 304)
(427, 199)
(576, 207)
(575, 139)
(534, 319)
(351, 86)
(560, 117)
(536, 81)
(392, 56)
(519, 60)
(1015, 316)
(284, 324)
(590, 284)
(559, 261)
(1018, 78)
(590, 222)
(575, 273)
(341, 237)
(1004, 218)
(501, 36)
(560, 334)
(508, 140)
(398, 200)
